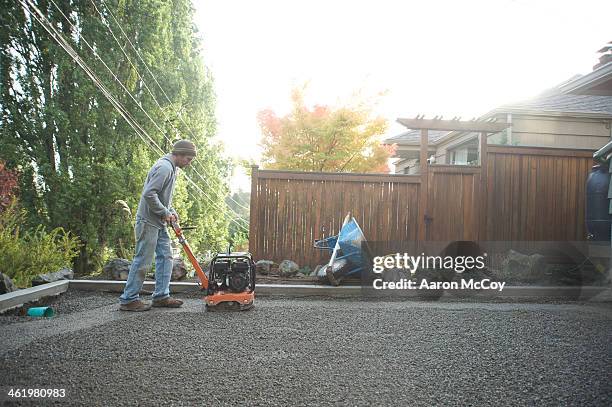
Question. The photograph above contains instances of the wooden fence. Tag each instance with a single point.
(522, 194)
(289, 210)
(536, 193)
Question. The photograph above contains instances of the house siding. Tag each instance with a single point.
(542, 131)
(564, 132)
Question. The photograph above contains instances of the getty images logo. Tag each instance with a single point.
(406, 262)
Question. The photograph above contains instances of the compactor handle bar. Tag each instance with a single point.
(194, 262)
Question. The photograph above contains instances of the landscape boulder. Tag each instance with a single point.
(179, 270)
(6, 284)
(288, 268)
(304, 271)
(117, 269)
(63, 274)
(266, 267)
(524, 268)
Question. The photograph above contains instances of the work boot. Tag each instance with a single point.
(168, 302)
(136, 306)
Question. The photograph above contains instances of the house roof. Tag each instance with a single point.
(550, 102)
(554, 101)
(413, 137)
(597, 82)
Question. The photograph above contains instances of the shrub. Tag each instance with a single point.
(26, 254)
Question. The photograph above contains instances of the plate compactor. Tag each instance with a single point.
(230, 284)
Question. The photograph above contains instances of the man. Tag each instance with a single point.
(154, 211)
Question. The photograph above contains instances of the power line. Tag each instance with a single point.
(145, 112)
(141, 108)
(39, 16)
(151, 74)
(153, 96)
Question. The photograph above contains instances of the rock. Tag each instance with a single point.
(431, 275)
(288, 268)
(395, 275)
(462, 248)
(117, 269)
(179, 270)
(63, 274)
(275, 270)
(524, 268)
(265, 267)
(6, 284)
(306, 271)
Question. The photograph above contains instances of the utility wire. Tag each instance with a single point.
(136, 101)
(141, 108)
(141, 77)
(151, 74)
(46, 24)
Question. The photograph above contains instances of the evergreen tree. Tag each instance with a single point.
(76, 155)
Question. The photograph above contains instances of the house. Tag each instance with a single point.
(597, 82)
(408, 147)
(555, 118)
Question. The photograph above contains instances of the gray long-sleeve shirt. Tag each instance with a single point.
(156, 199)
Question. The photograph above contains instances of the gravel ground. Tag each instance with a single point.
(314, 352)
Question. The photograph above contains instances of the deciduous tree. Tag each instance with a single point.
(324, 138)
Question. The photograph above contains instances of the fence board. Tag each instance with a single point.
(551, 194)
(529, 194)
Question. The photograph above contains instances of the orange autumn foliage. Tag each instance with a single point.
(324, 139)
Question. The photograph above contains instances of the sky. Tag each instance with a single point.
(451, 58)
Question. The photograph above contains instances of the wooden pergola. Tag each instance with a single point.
(483, 128)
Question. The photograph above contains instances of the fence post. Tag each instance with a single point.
(424, 191)
(482, 216)
(253, 249)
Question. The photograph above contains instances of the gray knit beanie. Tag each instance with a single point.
(184, 147)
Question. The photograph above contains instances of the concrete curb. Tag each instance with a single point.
(589, 293)
(117, 286)
(261, 289)
(303, 290)
(20, 297)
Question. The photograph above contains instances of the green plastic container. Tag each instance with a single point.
(41, 312)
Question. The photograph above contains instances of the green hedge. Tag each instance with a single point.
(24, 254)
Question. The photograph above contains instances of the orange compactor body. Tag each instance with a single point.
(230, 283)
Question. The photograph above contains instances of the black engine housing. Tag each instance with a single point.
(233, 272)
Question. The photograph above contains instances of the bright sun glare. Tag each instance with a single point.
(432, 57)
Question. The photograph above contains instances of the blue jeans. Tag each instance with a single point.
(149, 240)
